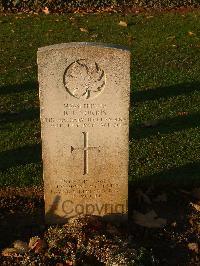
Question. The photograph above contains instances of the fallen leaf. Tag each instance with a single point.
(94, 36)
(193, 247)
(196, 206)
(45, 10)
(150, 219)
(196, 193)
(69, 263)
(10, 252)
(191, 221)
(161, 198)
(123, 23)
(171, 37)
(21, 246)
(37, 244)
(190, 33)
(33, 241)
(174, 224)
(83, 30)
(182, 113)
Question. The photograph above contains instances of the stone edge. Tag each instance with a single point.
(80, 44)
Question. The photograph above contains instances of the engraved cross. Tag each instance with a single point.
(85, 149)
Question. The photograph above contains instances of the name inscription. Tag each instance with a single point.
(84, 115)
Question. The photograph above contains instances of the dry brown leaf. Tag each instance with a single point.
(123, 23)
(21, 246)
(190, 33)
(182, 113)
(37, 244)
(45, 10)
(150, 219)
(10, 252)
(196, 206)
(196, 193)
(69, 263)
(33, 241)
(83, 30)
(193, 247)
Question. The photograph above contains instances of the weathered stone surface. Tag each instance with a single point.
(84, 100)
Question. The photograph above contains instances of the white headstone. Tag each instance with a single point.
(84, 103)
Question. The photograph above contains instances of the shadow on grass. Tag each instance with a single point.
(166, 126)
(21, 156)
(164, 92)
(26, 86)
(186, 176)
(28, 114)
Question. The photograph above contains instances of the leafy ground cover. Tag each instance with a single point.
(163, 229)
(71, 6)
(165, 96)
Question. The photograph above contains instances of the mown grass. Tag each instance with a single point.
(165, 76)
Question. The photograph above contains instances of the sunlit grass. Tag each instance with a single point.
(165, 87)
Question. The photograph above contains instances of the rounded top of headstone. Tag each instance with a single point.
(81, 44)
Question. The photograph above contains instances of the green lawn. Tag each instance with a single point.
(165, 88)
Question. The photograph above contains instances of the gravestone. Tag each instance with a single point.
(84, 106)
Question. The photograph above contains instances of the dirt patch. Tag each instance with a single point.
(176, 243)
(21, 214)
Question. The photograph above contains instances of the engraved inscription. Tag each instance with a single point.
(85, 116)
(84, 79)
(85, 149)
(85, 189)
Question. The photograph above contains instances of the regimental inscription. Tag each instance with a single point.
(85, 149)
(85, 115)
(84, 79)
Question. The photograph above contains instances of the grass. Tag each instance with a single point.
(165, 88)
